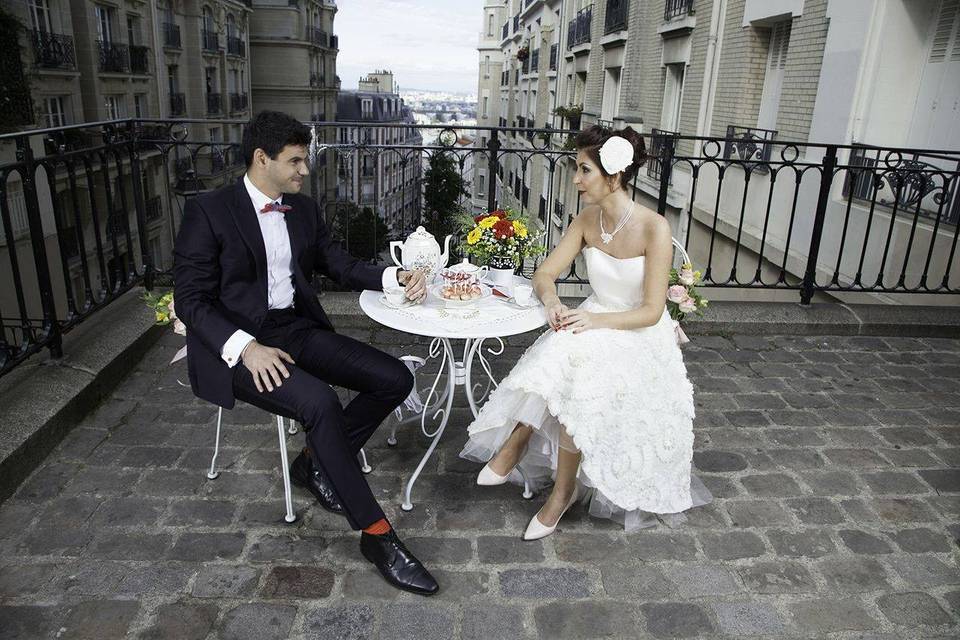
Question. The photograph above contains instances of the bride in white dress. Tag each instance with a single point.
(600, 403)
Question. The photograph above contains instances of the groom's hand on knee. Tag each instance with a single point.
(265, 364)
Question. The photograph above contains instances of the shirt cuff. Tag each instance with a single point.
(234, 346)
(389, 278)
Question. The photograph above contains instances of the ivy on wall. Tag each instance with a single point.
(16, 104)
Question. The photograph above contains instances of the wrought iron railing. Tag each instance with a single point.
(578, 30)
(211, 41)
(139, 59)
(214, 103)
(317, 36)
(178, 104)
(677, 8)
(618, 11)
(238, 102)
(236, 46)
(114, 58)
(749, 144)
(171, 35)
(823, 218)
(657, 151)
(53, 50)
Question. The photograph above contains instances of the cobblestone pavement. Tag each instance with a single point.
(834, 462)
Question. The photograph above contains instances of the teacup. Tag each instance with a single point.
(395, 296)
(523, 294)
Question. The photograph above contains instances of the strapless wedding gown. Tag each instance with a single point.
(623, 396)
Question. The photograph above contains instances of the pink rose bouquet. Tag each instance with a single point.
(682, 295)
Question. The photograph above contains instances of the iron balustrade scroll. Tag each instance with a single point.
(113, 58)
(809, 218)
(139, 59)
(578, 30)
(236, 46)
(618, 11)
(53, 50)
(211, 41)
(677, 9)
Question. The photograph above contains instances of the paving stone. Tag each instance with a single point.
(859, 511)
(721, 488)
(544, 583)
(26, 579)
(651, 547)
(815, 510)
(182, 621)
(925, 571)
(257, 621)
(591, 548)
(943, 480)
(130, 545)
(576, 620)
(796, 438)
(128, 512)
(855, 458)
(747, 418)
(907, 436)
(732, 545)
(676, 620)
(298, 582)
(201, 513)
(864, 543)
(170, 483)
(471, 516)
(225, 581)
(101, 481)
(911, 458)
(628, 580)
(757, 513)
(912, 609)
(796, 459)
(831, 483)
(893, 482)
(29, 621)
(698, 580)
(461, 586)
(771, 485)
(854, 575)
(489, 621)
(809, 543)
(342, 622)
(921, 541)
(292, 548)
(432, 550)
(748, 619)
(718, 461)
(98, 619)
(898, 510)
(416, 622)
(833, 615)
(201, 547)
(508, 550)
(155, 580)
(777, 578)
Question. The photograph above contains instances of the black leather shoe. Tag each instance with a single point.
(396, 564)
(304, 473)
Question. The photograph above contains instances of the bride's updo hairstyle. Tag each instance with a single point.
(594, 139)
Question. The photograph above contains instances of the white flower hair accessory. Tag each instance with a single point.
(616, 154)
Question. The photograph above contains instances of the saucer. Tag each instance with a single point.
(403, 305)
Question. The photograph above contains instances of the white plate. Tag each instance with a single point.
(485, 293)
(405, 304)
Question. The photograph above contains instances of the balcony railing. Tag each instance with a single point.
(658, 150)
(113, 58)
(505, 31)
(171, 35)
(178, 104)
(677, 9)
(210, 40)
(139, 59)
(53, 51)
(318, 37)
(554, 52)
(154, 208)
(901, 206)
(238, 102)
(334, 42)
(616, 18)
(578, 31)
(316, 80)
(236, 46)
(525, 65)
(214, 103)
(535, 60)
(749, 144)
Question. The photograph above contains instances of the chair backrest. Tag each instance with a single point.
(680, 253)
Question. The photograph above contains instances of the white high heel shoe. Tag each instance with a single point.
(490, 478)
(536, 529)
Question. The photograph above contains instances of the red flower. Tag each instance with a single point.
(503, 229)
(477, 219)
(500, 213)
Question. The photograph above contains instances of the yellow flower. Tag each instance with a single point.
(488, 222)
(474, 235)
(520, 229)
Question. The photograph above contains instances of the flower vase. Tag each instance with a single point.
(500, 274)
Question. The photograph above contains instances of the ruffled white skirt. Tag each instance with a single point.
(626, 403)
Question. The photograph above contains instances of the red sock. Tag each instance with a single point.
(378, 528)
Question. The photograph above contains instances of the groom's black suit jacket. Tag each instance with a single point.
(220, 277)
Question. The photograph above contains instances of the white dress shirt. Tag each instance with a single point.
(280, 289)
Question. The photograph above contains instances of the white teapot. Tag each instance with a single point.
(421, 251)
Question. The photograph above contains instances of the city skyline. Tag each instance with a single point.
(428, 44)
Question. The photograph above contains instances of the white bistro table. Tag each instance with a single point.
(491, 319)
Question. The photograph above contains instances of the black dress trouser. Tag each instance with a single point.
(335, 433)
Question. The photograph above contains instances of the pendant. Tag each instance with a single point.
(606, 237)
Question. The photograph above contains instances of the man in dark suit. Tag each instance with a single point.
(244, 258)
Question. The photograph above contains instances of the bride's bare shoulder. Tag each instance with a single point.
(587, 214)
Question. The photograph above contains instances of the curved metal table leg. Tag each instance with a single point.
(407, 504)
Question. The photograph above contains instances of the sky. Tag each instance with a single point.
(428, 44)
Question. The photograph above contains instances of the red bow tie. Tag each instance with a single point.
(273, 206)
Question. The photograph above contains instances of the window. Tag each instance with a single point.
(672, 97)
(211, 79)
(207, 20)
(611, 93)
(934, 123)
(366, 106)
(173, 83)
(133, 29)
(773, 78)
(483, 184)
(140, 105)
(40, 15)
(105, 20)
(486, 102)
(54, 114)
(116, 107)
(489, 24)
(486, 66)
(231, 26)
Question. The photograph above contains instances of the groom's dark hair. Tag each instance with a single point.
(272, 131)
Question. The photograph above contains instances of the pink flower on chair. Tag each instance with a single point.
(677, 293)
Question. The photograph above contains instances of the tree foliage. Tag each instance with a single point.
(443, 189)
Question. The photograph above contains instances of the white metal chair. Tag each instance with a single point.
(282, 432)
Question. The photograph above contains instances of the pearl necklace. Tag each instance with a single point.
(608, 237)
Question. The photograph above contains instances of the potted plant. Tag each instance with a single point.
(523, 53)
(501, 240)
(572, 113)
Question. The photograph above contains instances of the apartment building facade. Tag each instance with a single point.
(758, 75)
(295, 71)
(387, 181)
